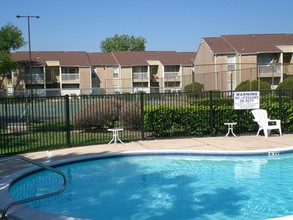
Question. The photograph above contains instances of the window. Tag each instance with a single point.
(172, 84)
(172, 68)
(69, 70)
(70, 86)
(140, 85)
(231, 60)
(140, 72)
(140, 69)
(9, 76)
(116, 88)
(171, 71)
(115, 72)
(266, 58)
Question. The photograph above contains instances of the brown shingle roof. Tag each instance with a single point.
(102, 59)
(248, 43)
(123, 58)
(71, 58)
(165, 57)
(218, 45)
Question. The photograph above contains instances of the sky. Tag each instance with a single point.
(167, 25)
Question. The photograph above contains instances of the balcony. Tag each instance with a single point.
(70, 78)
(140, 77)
(269, 70)
(34, 79)
(172, 76)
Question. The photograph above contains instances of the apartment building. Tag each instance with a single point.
(77, 72)
(223, 62)
(148, 71)
(52, 73)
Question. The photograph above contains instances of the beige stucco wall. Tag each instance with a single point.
(248, 68)
(105, 76)
(126, 79)
(186, 76)
(204, 67)
(85, 78)
(212, 69)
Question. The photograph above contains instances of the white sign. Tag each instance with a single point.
(246, 100)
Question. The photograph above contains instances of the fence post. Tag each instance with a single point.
(280, 104)
(67, 121)
(142, 114)
(211, 113)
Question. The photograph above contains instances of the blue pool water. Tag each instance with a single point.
(167, 187)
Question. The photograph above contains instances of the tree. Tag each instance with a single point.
(6, 64)
(123, 43)
(10, 39)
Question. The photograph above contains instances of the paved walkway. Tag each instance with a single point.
(240, 143)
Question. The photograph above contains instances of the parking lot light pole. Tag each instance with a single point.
(29, 44)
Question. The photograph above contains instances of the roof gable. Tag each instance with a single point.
(249, 43)
(218, 45)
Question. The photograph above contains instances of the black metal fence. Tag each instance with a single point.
(43, 123)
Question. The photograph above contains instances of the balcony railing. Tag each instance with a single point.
(141, 89)
(69, 78)
(140, 76)
(171, 75)
(34, 79)
(269, 70)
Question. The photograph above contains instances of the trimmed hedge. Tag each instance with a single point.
(201, 119)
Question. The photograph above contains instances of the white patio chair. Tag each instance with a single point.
(264, 123)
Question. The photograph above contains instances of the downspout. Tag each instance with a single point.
(45, 79)
(149, 77)
(240, 71)
(60, 78)
(106, 80)
(91, 80)
(281, 66)
(216, 73)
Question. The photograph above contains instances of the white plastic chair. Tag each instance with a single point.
(264, 123)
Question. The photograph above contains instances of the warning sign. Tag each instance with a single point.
(246, 100)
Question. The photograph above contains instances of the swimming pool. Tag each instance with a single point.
(168, 186)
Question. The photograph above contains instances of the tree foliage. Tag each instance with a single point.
(123, 43)
(10, 39)
(6, 63)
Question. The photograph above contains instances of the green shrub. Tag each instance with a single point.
(287, 84)
(194, 87)
(173, 121)
(199, 119)
(225, 101)
(252, 85)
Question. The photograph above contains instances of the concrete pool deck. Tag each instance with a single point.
(209, 144)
